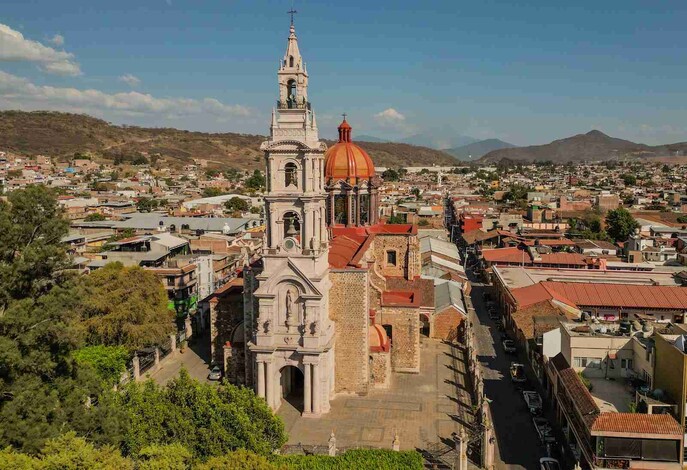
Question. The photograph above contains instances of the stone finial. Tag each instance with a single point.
(396, 443)
(332, 444)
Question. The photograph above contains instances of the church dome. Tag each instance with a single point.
(346, 161)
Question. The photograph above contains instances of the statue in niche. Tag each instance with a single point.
(289, 307)
(268, 326)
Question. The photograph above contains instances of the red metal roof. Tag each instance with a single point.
(620, 295)
(636, 423)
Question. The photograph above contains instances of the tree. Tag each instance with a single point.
(94, 217)
(682, 219)
(416, 192)
(396, 219)
(390, 175)
(31, 252)
(239, 459)
(124, 306)
(212, 192)
(108, 362)
(256, 182)
(620, 224)
(236, 204)
(629, 180)
(206, 419)
(164, 457)
(146, 204)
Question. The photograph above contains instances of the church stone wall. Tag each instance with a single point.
(348, 307)
(380, 373)
(396, 243)
(405, 337)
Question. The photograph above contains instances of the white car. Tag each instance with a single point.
(547, 463)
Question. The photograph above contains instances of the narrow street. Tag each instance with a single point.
(518, 446)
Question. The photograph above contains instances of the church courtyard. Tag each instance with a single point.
(423, 409)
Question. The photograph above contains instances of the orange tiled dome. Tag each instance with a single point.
(346, 161)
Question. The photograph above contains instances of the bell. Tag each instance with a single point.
(291, 231)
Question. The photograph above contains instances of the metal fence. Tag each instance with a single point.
(146, 360)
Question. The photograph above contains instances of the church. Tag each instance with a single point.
(337, 303)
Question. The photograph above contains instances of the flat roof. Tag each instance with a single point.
(517, 276)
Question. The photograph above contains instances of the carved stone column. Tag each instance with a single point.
(307, 390)
(261, 379)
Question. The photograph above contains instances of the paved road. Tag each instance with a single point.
(518, 446)
(195, 360)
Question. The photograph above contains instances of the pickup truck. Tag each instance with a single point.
(517, 372)
(533, 401)
(509, 346)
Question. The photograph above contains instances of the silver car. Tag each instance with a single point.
(215, 373)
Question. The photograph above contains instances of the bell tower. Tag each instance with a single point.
(292, 335)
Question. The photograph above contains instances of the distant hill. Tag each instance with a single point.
(592, 146)
(370, 138)
(58, 134)
(476, 150)
(440, 139)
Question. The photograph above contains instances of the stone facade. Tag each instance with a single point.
(404, 323)
(380, 373)
(348, 307)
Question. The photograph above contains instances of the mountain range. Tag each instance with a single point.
(61, 135)
(475, 150)
(592, 146)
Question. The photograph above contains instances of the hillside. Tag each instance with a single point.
(475, 150)
(593, 145)
(62, 134)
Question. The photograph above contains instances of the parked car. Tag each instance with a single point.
(215, 373)
(547, 463)
(517, 372)
(509, 346)
(544, 430)
(533, 401)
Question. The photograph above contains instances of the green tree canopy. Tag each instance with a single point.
(146, 204)
(390, 175)
(236, 204)
(256, 181)
(212, 192)
(31, 253)
(124, 306)
(207, 419)
(629, 180)
(620, 224)
(94, 217)
(108, 362)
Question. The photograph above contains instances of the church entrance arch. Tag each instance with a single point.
(292, 383)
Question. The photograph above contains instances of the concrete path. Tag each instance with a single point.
(424, 409)
(195, 359)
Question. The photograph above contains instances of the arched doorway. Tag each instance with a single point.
(424, 328)
(291, 382)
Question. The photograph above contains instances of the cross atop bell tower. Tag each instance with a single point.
(293, 76)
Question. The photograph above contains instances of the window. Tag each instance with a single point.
(170, 280)
(290, 175)
(391, 257)
(290, 61)
(626, 363)
(588, 362)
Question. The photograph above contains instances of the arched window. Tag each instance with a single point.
(291, 90)
(290, 174)
(290, 61)
(292, 224)
(340, 209)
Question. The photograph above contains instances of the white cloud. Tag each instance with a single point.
(130, 80)
(389, 117)
(19, 93)
(15, 47)
(57, 40)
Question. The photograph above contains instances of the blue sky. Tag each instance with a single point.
(526, 72)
